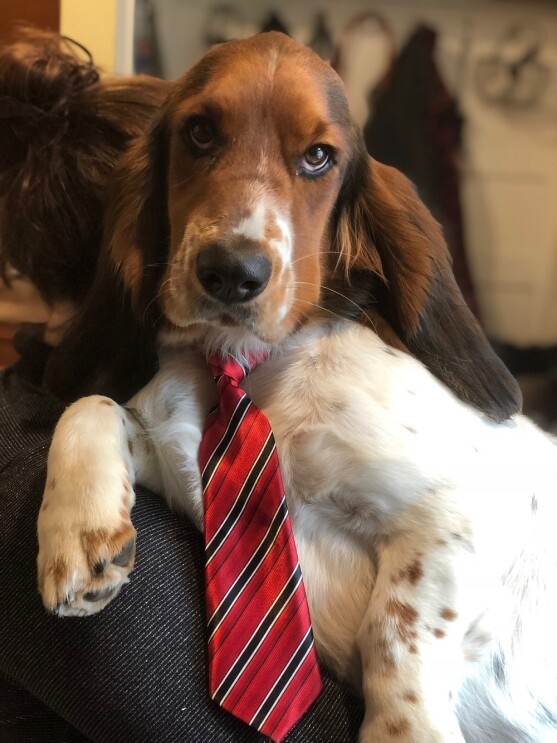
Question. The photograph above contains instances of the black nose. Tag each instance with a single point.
(230, 277)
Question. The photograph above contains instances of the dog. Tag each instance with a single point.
(249, 218)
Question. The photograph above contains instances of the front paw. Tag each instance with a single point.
(81, 567)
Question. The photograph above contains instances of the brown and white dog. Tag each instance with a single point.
(250, 217)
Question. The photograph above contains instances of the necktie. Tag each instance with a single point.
(262, 661)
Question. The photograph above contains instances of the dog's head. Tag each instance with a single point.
(251, 204)
(235, 187)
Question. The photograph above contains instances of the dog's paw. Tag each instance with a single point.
(80, 573)
(85, 556)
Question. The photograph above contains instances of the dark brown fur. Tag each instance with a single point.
(62, 128)
(382, 251)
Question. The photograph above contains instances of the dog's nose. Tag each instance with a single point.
(230, 277)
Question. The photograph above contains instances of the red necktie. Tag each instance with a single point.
(262, 661)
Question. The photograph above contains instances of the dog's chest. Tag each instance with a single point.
(359, 427)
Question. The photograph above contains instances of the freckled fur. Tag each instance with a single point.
(398, 727)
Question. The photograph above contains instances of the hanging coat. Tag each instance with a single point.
(415, 126)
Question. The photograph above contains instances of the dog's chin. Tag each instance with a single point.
(226, 341)
(238, 334)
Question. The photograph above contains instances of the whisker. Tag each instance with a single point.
(334, 314)
(181, 183)
(340, 294)
(319, 307)
(313, 255)
(158, 295)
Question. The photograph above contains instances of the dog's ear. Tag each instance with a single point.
(383, 231)
(110, 348)
(136, 224)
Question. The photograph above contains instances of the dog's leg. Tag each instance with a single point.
(86, 538)
(411, 641)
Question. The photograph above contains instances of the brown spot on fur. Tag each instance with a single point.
(52, 483)
(44, 506)
(414, 572)
(398, 727)
(101, 543)
(405, 617)
(441, 542)
(405, 613)
(130, 446)
(105, 401)
(413, 649)
(439, 633)
(411, 696)
(448, 614)
(384, 654)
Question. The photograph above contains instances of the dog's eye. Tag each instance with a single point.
(315, 160)
(202, 133)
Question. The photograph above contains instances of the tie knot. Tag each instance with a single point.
(231, 368)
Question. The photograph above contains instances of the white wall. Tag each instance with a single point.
(509, 167)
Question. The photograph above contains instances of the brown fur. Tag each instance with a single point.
(63, 128)
(366, 246)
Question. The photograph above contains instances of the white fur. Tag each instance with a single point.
(262, 217)
(253, 227)
(425, 532)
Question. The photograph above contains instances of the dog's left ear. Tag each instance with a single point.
(381, 229)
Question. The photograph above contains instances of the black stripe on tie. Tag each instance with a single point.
(249, 570)
(223, 444)
(242, 498)
(236, 670)
(283, 680)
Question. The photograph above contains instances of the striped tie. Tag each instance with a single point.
(262, 661)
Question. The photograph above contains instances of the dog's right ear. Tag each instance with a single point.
(110, 348)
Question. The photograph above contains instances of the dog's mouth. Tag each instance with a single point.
(230, 315)
(227, 321)
(210, 316)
